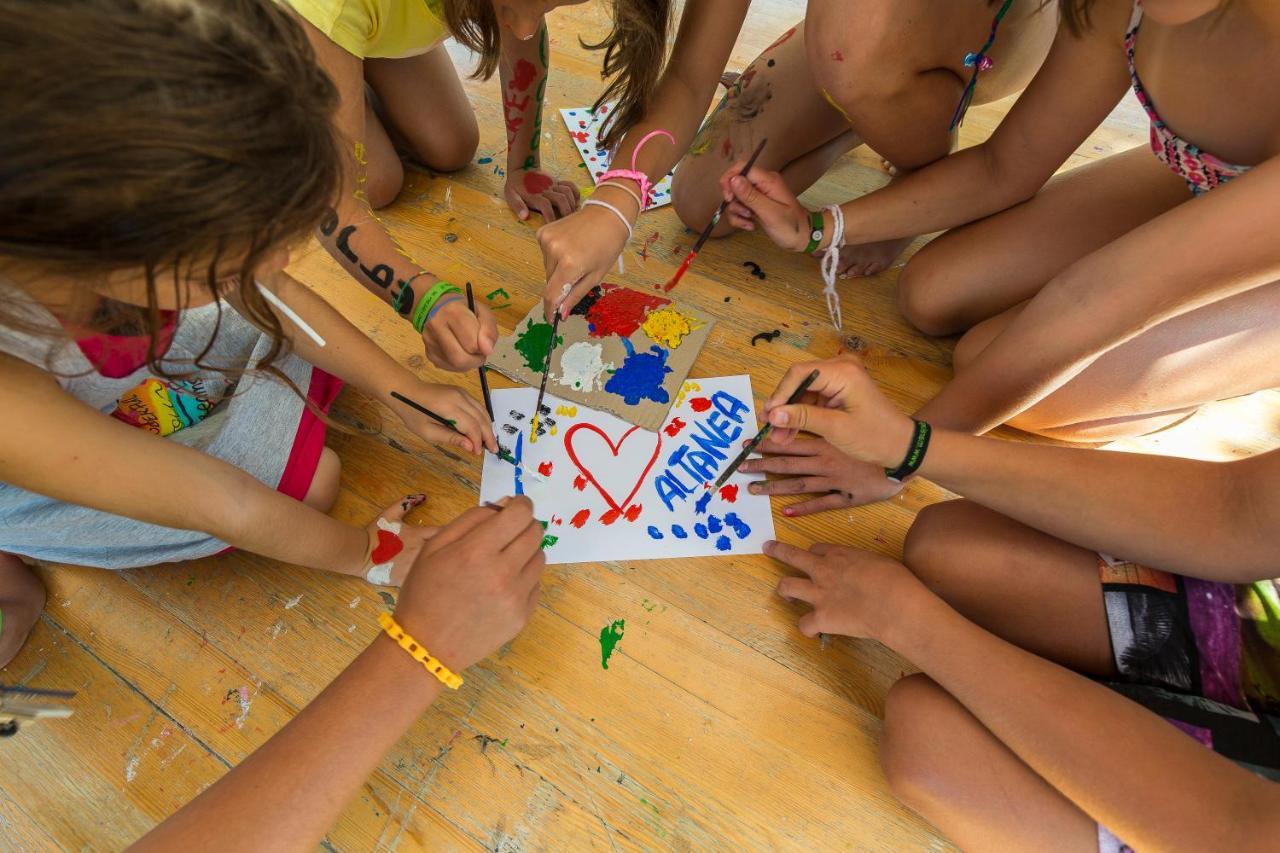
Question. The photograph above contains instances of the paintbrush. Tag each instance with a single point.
(453, 425)
(546, 370)
(706, 232)
(484, 371)
(764, 431)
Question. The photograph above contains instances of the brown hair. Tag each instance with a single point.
(164, 136)
(1075, 14)
(634, 53)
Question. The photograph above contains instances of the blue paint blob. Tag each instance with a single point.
(701, 506)
(679, 532)
(655, 533)
(640, 376)
(519, 455)
(701, 530)
(723, 543)
(484, 161)
(713, 523)
(737, 525)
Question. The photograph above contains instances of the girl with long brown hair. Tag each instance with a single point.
(162, 378)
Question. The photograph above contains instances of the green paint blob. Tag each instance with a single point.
(533, 343)
(610, 636)
(548, 541)
(387, 598)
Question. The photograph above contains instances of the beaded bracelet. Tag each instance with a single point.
(422, 313)
(447, 676)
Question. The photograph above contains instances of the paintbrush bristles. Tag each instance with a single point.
(546, 370)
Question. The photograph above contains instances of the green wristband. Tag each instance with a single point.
(422, 313)
(815, 234)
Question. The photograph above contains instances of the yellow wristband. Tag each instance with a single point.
(447, 677)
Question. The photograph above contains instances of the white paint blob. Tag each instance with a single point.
(581, 366)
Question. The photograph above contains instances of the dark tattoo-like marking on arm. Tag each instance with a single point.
(381, 275)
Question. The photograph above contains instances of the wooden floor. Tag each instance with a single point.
(716, 726)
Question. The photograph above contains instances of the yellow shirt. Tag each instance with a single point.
(381, 29)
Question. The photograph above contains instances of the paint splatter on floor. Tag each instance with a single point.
(620, 310)
(768, 337)
(729, 493)
(533, 342)
(484, 161)
(387, 598)
(755, 270)
(610, 636)
(581, 366)
(450, 237)
(668, 326)
(640, 376)
(649, 241)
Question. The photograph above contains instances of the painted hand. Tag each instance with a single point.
(474, 429)
(579, 251)
(458, 340)
(764, 198)
(852, 592)
(475, 583)
(531, 189)
(393, 544)
(812, 466)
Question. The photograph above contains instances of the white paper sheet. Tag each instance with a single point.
(584, 129)
(612, 491)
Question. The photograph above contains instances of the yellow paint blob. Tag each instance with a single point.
(685, 390)
(555, 430)
(359, 153)
(838, 108)
(567, 411)
(668, 327)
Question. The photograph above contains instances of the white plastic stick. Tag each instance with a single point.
(279, 305)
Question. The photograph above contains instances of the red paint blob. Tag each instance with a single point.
(581, 518)
(727, 149)
(673, 429)
(620, 311)
(579, 482)
(580, 135)
(699, 404)
(545, 468)
(610, 517)
(536, 182)
(389, 545)
(729, 493)
(837, 56)
(782, 38)
(633, 512)
(684, 267)
(523, 75)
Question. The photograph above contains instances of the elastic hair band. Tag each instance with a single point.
(830, 263)
(278, 304)
(634, 174)
(618, 213)
(626, 189)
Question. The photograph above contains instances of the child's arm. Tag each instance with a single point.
(455, 338)
(1079, 84)
(55, 445)
(524, 70)
(1187, 258)
(353, 357)
(580, 249)
(472, 590)
(1100, 750)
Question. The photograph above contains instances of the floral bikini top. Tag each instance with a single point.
(1201, 170)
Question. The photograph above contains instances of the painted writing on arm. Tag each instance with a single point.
(521, 95)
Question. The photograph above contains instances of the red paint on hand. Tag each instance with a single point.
(388, 546)
(729, 493)
(837, 56)
(727, 149)
(673, 429)
(610, 517)
(523, 75)
(581, 518)
(580, 482)
(633, 512)
(699, 404)
(536, 183)
(545, 468)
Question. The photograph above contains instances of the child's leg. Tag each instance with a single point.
(1226, 349)
(774, 98)
(975, 272)
(21, 600)
(942, 762)
(1028, 587)
(323, 491)
(384, 171)
(425, 108)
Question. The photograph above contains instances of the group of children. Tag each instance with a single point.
(161, 156)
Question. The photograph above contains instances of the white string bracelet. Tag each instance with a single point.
(278, 304)
(618, 213)
(626, 189)
(830, 263)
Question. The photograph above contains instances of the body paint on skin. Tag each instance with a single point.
(581, 366)
(640, 376)
(832, 101)
(536, 182)
(667, 326)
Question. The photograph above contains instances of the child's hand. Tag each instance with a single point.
(532, 188)
(763, 197)
(578, 251)
(845, 407)
(474, 429)
(813, 466)
(852, 592)
(458, 339)
(393, 545)
(475, 583)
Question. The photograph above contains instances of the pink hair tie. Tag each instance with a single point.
(634, 174)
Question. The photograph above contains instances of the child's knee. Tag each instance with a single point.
(916, 715)
(936, 540)
(695, 195)
(922, 295)
(22, 598)
(323, 493)
(457, 150)
(385, 180)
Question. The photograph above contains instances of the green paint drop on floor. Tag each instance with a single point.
(532, 344)
(610, 636)
(387, 598)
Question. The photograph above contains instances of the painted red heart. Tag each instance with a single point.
(615, 449)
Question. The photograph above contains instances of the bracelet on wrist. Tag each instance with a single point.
(915, 453)
(446, 676)
(816, 228)
(426, 308)
(406, 292)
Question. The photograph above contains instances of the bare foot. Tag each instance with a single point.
(21, 600)
(890, 168)
(870, 258)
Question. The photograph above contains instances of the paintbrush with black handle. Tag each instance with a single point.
(706, 232)
(546, 371)
(453, 425)
(484, 371)
(764, 431)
